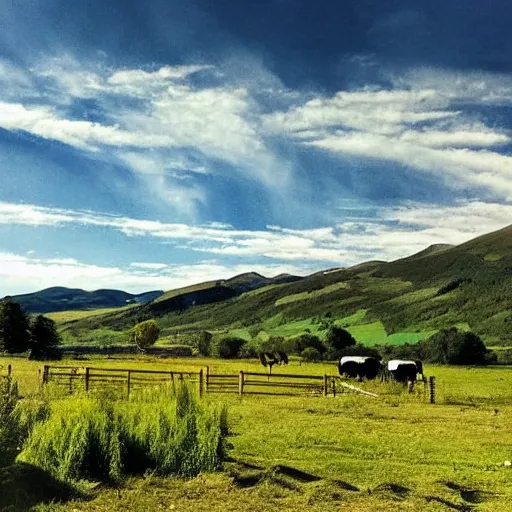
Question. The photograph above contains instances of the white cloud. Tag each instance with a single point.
(19, 273)
(148, 266)
(462, 86)
(481, 168)
(157, 110)
(376, 111)
(45, 123)
(393, 233)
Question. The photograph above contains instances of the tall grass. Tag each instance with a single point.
(101, 439)
(8, 429)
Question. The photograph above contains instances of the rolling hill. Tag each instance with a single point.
(469, 286)
(65, 299)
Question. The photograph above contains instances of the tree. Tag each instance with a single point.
(451, 346)
(145, 334)
(337, 340)
(229, 347)
(204, 344)
(14, 328)
(44, 339)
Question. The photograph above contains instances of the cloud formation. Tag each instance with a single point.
(393, 233)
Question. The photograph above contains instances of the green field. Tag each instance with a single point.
(353, 453)
(70, 316)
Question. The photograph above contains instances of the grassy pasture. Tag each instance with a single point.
(346, 453)
(72, 315)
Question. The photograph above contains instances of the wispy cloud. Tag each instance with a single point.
(423, 123)
(392, 233)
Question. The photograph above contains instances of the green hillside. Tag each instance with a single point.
(469, 286)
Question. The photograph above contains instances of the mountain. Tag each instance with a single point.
(469, 286)
(63, 299)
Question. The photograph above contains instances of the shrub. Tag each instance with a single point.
(204, 343)
(146, 333)
(298, 344)
(229, 347)
(101, 440)
(311, 354)
(451, 346)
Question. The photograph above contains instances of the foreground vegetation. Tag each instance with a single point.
(355, 453)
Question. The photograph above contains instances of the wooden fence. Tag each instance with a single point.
(72, 378)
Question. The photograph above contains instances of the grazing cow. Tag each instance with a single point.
(359, 366)
(405, 371)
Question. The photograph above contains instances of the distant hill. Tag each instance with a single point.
(65, 299)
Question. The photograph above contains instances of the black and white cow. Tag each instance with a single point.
(405, 371)
(359, 366)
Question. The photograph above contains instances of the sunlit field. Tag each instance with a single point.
(352, 452)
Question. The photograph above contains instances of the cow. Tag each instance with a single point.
(359, 366)
(405, 371)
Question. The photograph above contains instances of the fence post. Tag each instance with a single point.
(325, 385)
(201, 383)
(425, 389)
(9, 371)
(86, 379)
(129, 383)
(333, 384)
(207, 378)
(46, 374)
(173, 385)
(432, 381)
(241, 383)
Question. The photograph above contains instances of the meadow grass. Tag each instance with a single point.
(60, 317)
(369, 334)
(354, 453)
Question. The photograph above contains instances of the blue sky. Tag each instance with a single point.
(156, 144)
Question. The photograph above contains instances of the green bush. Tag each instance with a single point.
(229, 347)
(204, 343)
(298, 344)
(103, 440)
(451, 346)
(311, 354)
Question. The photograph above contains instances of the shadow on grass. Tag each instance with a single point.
(470, 495)
(396, 490)
(23, 486)
(449, 504)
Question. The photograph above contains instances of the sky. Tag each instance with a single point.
(152, 145)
